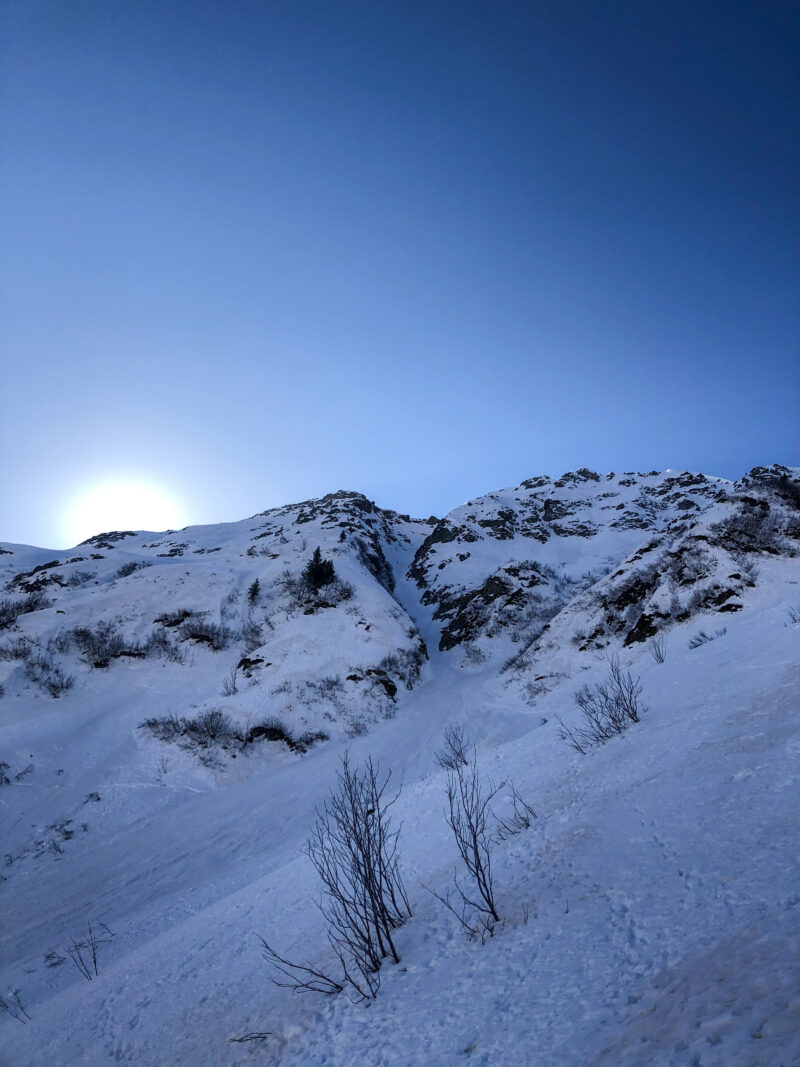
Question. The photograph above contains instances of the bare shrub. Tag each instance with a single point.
(753, 527)
(297, 976)
(48, 675)
(11, 1005)
(270, 729)
(99, 645)
(20, 648)
(204, 632)
(160, 643)
(252, 636)
(214, 728)
(521, 817)
(354, 850)
(170, 619)
(10, 610)
(406, 664)
(308, 598)
(165, 728)
(254, 1035)
(473, 653)
(534, 690)
(453, 753)
(229, 686)
(468, 816)
(702, 638)
(607, 708)
(273, 729)
(309, 738)
(131, 568)
(794, 615)
(328, 686)
(209, 727)
(658, 648)
(84, 953)
(79, 578)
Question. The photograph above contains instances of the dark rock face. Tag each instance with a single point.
(684, 573)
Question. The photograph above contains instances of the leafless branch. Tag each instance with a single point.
(12, 1005)
(84, 953)
(354, 849)
(299, 977)
(454, 751)
(468, 813)
(520, 819)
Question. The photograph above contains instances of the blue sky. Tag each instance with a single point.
(255, 252)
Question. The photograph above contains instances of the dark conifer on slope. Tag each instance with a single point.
(318, 571)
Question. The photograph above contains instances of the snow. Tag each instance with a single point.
(651, 914)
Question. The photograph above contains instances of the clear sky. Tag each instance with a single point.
(254, 252)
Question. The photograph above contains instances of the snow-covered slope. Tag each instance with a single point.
(650, 913)
(186, 599)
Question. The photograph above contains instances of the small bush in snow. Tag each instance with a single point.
(305, 597)
(79, 578)
(309, 738)
(10, 610)
(607, 709)
(658, 648)
(45, 672)
(165, 728)
(171, 619)
(270, 729)
(521, 817)
(99, 645)
(229, 686)
(214, 728)
(252, 636)
(207, 633)
(211, 726)
(406, 664)
(159, 643)
(253, 592)
(131, 568)
(22, 649)
(703, 638)
(794, 615)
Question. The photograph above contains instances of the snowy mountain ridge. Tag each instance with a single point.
(158, 685)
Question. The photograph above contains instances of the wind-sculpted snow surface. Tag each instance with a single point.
(648, 913)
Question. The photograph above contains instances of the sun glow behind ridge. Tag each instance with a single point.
(121, 505)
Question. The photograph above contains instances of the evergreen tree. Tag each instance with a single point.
(253, 591)
(318, 571)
